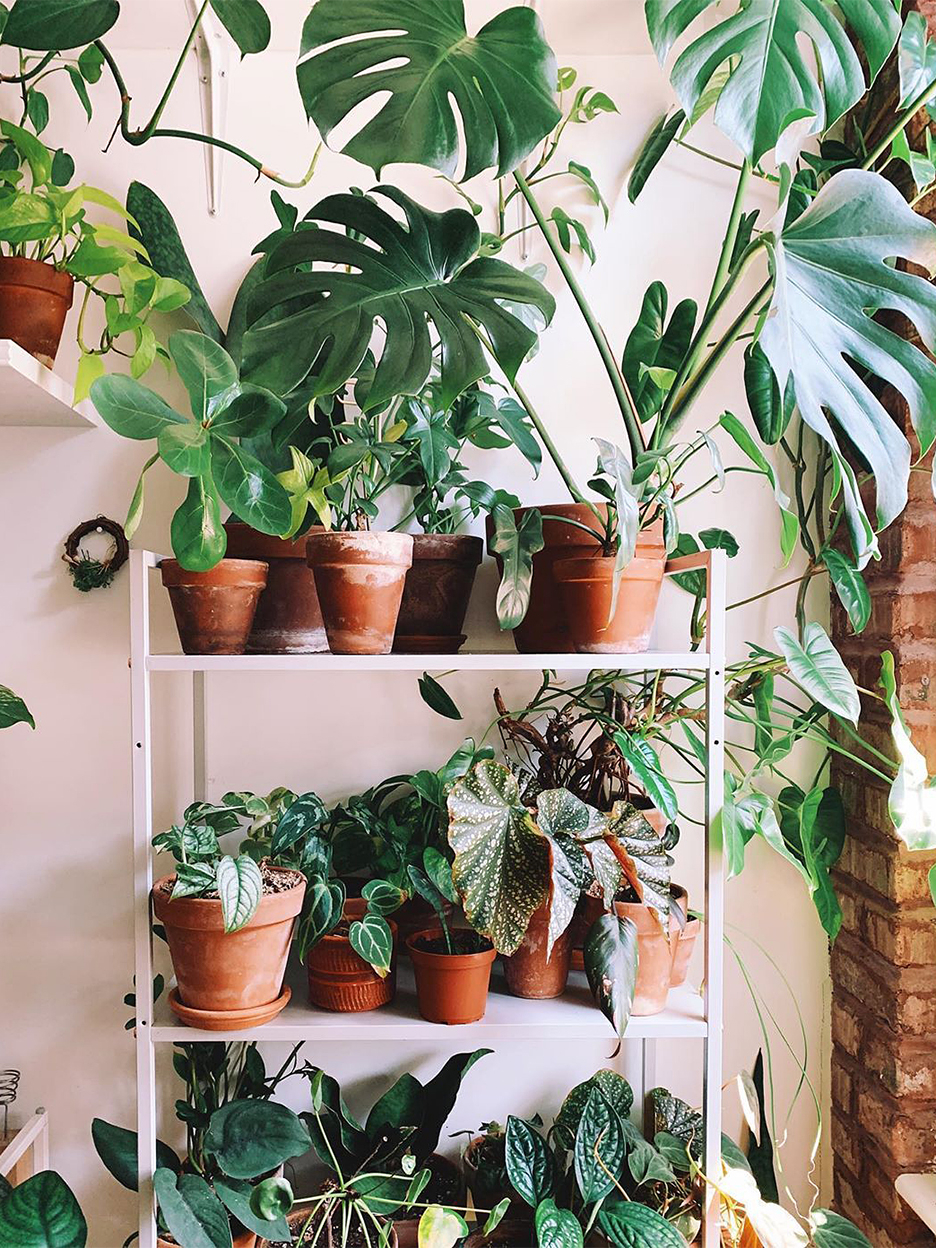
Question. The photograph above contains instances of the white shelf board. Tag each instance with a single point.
(489, 661)
(32, 395)
(573, 1016)
(919, 1191)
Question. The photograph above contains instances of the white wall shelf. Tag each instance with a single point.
(32, 395)
(919, 1191)
(572, 1017)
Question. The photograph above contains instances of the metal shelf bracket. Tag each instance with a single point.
(212, 49)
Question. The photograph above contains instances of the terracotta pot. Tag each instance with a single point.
(528, 972)
(543, 629)
(34, 301)
(450, 988)
(359, 578)
(340, 980)
(684, 950)
(435, 597)
(220, 972)
(297, 1220)
(214, 610)
(586, 586)
(241, 1239)
(288, 619)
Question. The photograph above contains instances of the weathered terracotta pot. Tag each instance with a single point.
(359, 578)
(227, 974)
(297, 1220)
(339, 979)
(288, 619)
(214, 610)
(544, 629)
(241, 1239)
(435, 597)
(450, 988)
(586, 586)
(684, 950)
(527, 971)
(34, 302)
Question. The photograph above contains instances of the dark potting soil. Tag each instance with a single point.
(275, 880)
(463, 941)
(355, 1238)
(446, 1187)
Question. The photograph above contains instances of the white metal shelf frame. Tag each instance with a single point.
(683, 1020)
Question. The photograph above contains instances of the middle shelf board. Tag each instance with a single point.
(489, 661)
(573, 1016)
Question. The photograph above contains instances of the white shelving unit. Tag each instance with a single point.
(568, 1018)
(35, 396)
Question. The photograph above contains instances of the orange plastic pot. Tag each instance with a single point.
(451, 988)
(214, 610)
(528, 972)
(288, 618)
(359, 579)
(223, 973)
(34, 302)
(437, 591)
(240, 1239)
(340, 980)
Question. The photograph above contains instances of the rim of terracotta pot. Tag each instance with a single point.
(360, 547)
(204, 913)
(19, 271)
(465, 547)
(228, 573)
(457, 961)
(247, 543)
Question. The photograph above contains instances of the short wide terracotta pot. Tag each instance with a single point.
(34, 302)
(288, 618)
(228, 972)
(435, 597)
(340, 979)
(214, 610)
(528, 972)
(359, 579)
(451, 988)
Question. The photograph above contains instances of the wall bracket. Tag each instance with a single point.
(212, 49)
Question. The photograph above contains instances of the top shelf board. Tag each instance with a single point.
(31, 395)
(491, 661)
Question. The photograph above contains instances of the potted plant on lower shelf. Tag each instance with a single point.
(349, 944)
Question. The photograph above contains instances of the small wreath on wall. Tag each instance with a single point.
(87, 572)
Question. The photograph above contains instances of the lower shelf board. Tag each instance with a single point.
(573, 1016)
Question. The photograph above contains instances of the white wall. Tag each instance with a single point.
(66, 908)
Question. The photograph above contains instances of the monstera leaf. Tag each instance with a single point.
(404, 275)
(777, 77)
(832, 276)
(501, 863)
(502, 81)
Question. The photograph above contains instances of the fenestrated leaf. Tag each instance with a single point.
(198, 536)
(833, 275)
(13, 710)
(555, 1227)
(774, 80)
(646, 862)
(372, 940)
(612, 1086)
(501, 858)
(502, 82)
(818, 668)
(599, 1148)
(516, 544)
(849, 586)
(911, 802)
(407, 275)
(530, 1164)
(611, 954)
(249, 488)
(770, 413)
(247, 23)
(653, 343)
(42, 1212)
(44, 25)
(191, 1211)
(831, 1230)
(653, 151)
(240, 886)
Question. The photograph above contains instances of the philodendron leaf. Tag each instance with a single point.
(42, 1212)
(817, 667)
(501, 80)
(438, 698)
(653, 151)
(599, 1149)
(770, 411)
(834, 273)
(630, 1225)
(611, 966)
(501, 858)
(407, 276)
(372, 940)
(912, 799)
(654, 343)
(13, 710)
(44, 25)
(774, 80)
(247, 23)
(831, 1230)
(642, 759)
(249, 1138)
(555, 1227)
(531, 1166)
(516, 544)
(198, 537)
(613, 1087)
(849, 586)
(441, 1228)
(916, 58)
(191, 1211)
(240, 886)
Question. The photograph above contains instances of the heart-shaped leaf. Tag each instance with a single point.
(831, 1230)
(654, 343)
(555, 1227)
(247, 23)
(372, 940)
(382, 897)
(612, 1086)
(249, 1138)
(817, 666)
(261, 1209)
(441, 1228)
(47, 25)
(42, 1212)
(240, 887)
(301, 818)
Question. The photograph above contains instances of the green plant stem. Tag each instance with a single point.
(625, 402)
(912, 108)
(26, 75)
(743, 602)
(731, 235)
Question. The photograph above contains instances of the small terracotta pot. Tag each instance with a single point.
(543, 629)
(527, 971)
(288, 619)
(297, 1220)
(340, 980)
(586, 586)
(359, 578)
(435, 597)
(214, 610)
(450, 988)
(34, 301)
(241, 1239)
(225, 972)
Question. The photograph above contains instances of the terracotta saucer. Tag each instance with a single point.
(228, 1020)
(412, 643)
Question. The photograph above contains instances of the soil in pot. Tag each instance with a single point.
(359, 578)
(436, 594)
(329, 1236)
(586, 586)
(339, 979)
(544, 629)
(34, 302)
(451, 987)
(223, 973)
(288, 618)
(528, 972)
(214, 610)
(446, 1187)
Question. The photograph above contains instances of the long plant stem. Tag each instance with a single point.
(912, 108)
(731, 236)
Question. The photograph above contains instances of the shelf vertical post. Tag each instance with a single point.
(199, 758)
(716, 580)
(142, 768)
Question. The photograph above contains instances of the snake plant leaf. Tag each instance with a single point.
(198, 537)
(565, 821)
(372, 940)
(13, 710)
(42, 1212)
(612, 1086)
(832, 276)
(191, 1211)
(599, 1148)
(611, 967)
(653, 343)
(47, 25)
(647, 865)
(831, 1230)
(516, 544)
(502, 82)
(501, 862)
(240, 886)
(912, 799)
(775, 80)
(407, 276)
(628, 1224)
(555, 1227)
(817, 667)
(531, 1166)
